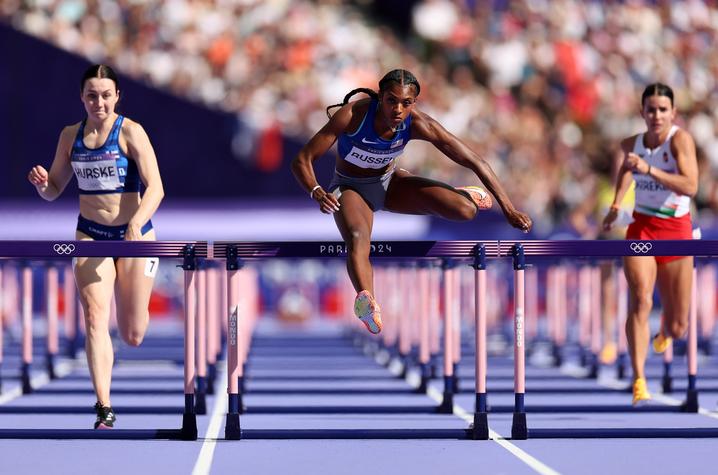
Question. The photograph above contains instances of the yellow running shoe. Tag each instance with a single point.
(480, 197)
(368, 311)
(640, 392)
(660, 343)
(608, 353)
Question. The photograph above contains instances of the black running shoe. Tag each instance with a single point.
(105, 417)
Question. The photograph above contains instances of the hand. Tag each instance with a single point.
(38, 176)
(610, 219)
(519, 220)
(328, 203)
(636, 164)
(133, 232)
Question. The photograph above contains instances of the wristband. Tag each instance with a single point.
(311, 193)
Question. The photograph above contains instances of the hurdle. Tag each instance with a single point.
(447, 252)
(519, 251)
(190, 252)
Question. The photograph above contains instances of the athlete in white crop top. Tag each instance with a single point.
(369, 133)
(662, 161)
(117, 211)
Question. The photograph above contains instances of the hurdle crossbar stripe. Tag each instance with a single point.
(327, 249)
(617, 248)
(70, 249)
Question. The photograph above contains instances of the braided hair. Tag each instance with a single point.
(399, 76)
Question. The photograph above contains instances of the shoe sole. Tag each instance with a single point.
(103, 427)
(371, 324)
(475, 192)
(371, 320)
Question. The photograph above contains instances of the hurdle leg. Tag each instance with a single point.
(26, 328)
(447, 404)
(480, 428)
(622, 314)
(706, 306)
(51, 279)
(213, 328)
(519, 428)
(666, 379)
(201, 354)
(595, 338)
(2, 322)
(691, 402)
(456, 311)
(424, 349)
(189, 417)
(434, 332)
(404, 321)
(584, 313)
(232, 429)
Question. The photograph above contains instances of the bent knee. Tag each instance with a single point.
(677, 328)
(464, 211)
(133, 337)
(468, 213)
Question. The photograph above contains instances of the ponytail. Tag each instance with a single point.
(370, 92)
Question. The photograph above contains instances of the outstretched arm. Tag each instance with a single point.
(303, 163)
(424, 127)
(50, 185)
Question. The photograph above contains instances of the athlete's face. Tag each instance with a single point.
(397, 102)
(659, 113)
(99, 95)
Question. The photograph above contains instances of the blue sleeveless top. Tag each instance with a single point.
(105, 169)
(365, 149)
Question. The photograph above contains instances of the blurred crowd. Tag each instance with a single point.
(544, 89)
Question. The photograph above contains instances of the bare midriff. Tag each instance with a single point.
(112, 209)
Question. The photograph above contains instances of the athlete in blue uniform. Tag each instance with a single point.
(371, 133)
(111, 156)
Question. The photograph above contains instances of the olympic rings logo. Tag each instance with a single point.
(641, 247)
(64, 248)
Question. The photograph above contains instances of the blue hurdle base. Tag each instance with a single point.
(124, 434)
(232, 430)
(518, 426)
(50, 366)
(25, 378)
(625, 433)
(480, 428)
(291, 434)
(447, 403)
(200, 396)
(691, 402)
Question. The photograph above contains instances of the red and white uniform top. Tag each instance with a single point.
(653, 198)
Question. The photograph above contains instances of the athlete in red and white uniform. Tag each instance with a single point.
(663, 163)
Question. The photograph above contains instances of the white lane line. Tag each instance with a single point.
(526, 458)
(62, 369)
(206, 453)
(460, 412)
